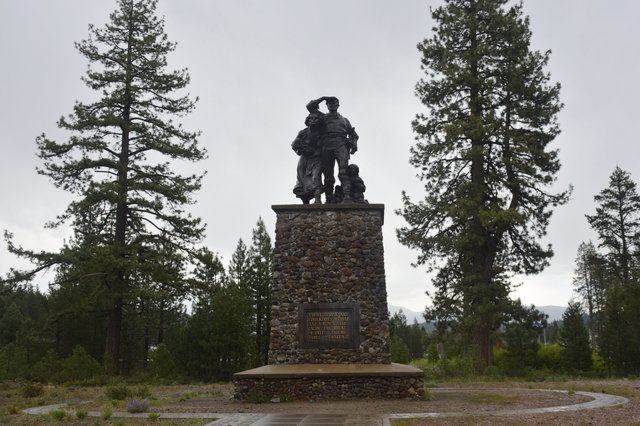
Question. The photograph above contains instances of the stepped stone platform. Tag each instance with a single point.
(331, 381)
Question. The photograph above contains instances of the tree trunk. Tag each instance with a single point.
(482, 338)
(114, 328)
(119, 285)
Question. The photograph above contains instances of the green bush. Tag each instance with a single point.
(31, 390)
(399, 350)
(432, 369)
(518, 358)
(47, 368)
(550, 357)
(162, 364)
(598, 365)
(494, 372)
(106, 414)
(498, 355)
(14, 361)
(142, 392)
(81, 414)
(118, 392)
(80, 365)
(58, 414)
(154, 416)
(460, 366)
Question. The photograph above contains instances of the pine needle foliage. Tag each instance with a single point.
(482, 151)
(130, 206)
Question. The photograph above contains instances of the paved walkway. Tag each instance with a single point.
(600, 400)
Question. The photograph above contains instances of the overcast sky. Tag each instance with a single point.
(256, 63)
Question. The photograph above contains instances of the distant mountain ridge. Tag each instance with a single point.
(408, 313)
(554, 312)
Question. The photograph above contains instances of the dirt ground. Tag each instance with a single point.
(469, 397)
(440, 401)
(628, 414)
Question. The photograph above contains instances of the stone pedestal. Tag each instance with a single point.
(331, 381)
(329, 319)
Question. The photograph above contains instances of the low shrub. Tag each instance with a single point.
(458, 366)
(58, 414)
(135, 406)
(548, 356)
(81, 414)
(598, 365)
(142, 392)
(31, 390)
(494, 372)
(119, 392)
(257, 398)
(80, 365)
(432, 369)
(162, 365)
(106, 414)
(48, 368)
(286, 398)
(154, 416)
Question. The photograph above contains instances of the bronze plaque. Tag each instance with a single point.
(329, 325)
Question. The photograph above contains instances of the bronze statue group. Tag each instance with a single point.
(328, 139)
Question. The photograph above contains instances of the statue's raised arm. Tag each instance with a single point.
(314, 105)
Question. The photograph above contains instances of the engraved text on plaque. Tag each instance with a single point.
(329, 325)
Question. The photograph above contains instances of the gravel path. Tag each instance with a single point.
(448, 405)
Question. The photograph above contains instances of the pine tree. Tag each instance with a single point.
(589, 282)
(412, 336)
(617, 223)
(208, 276)
(111, 161)
(10, 324)
(522, 330)
(482, 153)
(260, 282)
(240, 265)
(574, 339)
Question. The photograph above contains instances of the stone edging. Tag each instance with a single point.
(600, 400)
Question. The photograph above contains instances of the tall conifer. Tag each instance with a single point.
(617, 223)
(115, 160)
(483, 154)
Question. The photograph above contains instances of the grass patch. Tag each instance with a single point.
(257, 398)
(106, 414)
(13, 409)
(58, 414)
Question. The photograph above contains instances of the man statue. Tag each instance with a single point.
(339, 140)
(307, 146)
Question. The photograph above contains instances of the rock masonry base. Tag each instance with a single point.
(331, 381)
(329, 254)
